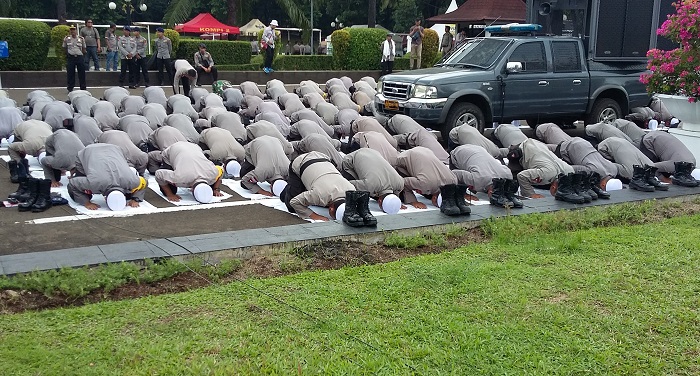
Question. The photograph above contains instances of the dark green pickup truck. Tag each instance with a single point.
(500, 79)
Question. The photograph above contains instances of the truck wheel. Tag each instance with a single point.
(463, 113)
(605, 110)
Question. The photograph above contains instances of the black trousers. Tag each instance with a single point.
(160, 63)
(387, 67)
(269, 54)
(185, 82)
(73, 63)
(140, 69)
(214, 73)
(127, 64)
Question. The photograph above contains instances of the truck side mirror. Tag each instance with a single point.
(514, 67)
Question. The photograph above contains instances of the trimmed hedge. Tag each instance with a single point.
(365, 48)
(429, 54)
(28, 42)
(54, 63)
(340, 39)
(239, 67)
(303, 62)
(58, 33)
(222, 51)
(402, 63)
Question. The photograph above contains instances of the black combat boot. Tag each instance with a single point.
(449, 204)
(651, 179)
(595, 179)
(683, 175)
(363, 209)
(460, 192)
(587, 187)
(351, 216)
(43, 198)
(23, 193)
(565, 190)
(25, 162)
(577, 183)
(511, 188)
(498, 194)
(639, 182)
(33, 194)
(12, 165)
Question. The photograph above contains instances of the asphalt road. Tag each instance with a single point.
(21, 237)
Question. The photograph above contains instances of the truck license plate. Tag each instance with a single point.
(391, 105)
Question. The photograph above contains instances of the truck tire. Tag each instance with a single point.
(605, 110)
(463, 113)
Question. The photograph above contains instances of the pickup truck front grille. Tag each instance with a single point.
(396, 90)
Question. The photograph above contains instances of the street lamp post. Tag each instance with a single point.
(127, 7)
(336, 23)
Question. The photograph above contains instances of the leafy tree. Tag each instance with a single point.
(405, 15)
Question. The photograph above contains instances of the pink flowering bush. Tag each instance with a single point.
(677, 72)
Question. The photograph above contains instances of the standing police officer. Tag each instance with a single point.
(75, 50)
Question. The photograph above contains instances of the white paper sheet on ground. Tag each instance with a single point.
(186, 196)
(235, 185)
(4, 144)
(275, 203)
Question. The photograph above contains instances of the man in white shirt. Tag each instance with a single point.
(268, 44)
(186, 75)
(388, 54)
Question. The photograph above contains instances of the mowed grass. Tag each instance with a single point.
(615, 300)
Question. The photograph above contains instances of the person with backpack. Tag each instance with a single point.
(92, 44)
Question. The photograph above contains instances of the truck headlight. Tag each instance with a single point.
(380, 85)
(423, 91)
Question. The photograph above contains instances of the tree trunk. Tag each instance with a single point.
(231, 12)
(372, 14)
(61, 11)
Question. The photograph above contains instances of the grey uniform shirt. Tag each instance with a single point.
(55, 112)
(361, 98)
(275, 92)
(183, 124)
(86, 128)
(631, 130)
(290, 103)
(260, 128)
(370, 124)
(163, 137)
(377, 141)
(137, 127)
(232, 99)
(321, 143)
(602, 131)
(251, 88)
(200, 58)
(249, 106)
(164, 47)
(141, 46)
(400, 124)
(266, 153)
(623, 153)
(62, 149)
(274, 118)
(74, 46)
(550, 133)
(131, 105)
(222, 146)
(126, 46)
(667, 149)
(134, 156)
(311, 100)
(323, 182)
(372, 173)
(422, 172)
(111, 40)
(231, 122)
(155, 113)
(308, 114)
(106, 115)
(91, 35)
(584, 157)
(468, 135)
(189, 165)
(476, 168)
(10, 118)
(425, 139)
(155, 94)
(541, 166)
(83, 104)
(344, 119)
(180, 104)
(103, 168)
(115, 94)
(303, 128)
(32, 134)
(343, 101)
(326, 111)
(509, 135)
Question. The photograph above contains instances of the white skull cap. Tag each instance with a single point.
(233, 168)
(116, 201)
(203, 193)
(339, 212)
(278, 186)
(391, 204)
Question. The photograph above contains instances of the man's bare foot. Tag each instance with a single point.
(55, 184)
(133, 203)
(174, 198)
(537, 195)
(469, 197)
(266, 193)
(317, 217)
(92, 206)
(419, 205)
(217, 193)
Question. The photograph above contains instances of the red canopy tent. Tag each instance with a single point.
(206, 23)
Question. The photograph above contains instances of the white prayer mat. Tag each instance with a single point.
(235, 185)
(186, 196)
(33, 163)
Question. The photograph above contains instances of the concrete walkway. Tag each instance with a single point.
(245, 243)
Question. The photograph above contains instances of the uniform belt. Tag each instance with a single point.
(308, 163)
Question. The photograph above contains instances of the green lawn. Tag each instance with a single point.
(616, 300)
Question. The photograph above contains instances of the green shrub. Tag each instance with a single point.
(279, 47)
(54, 63)
(402, 63)
(429, 54)
(304, 62)
(58, 33)
(340, 39)
(222, 51)
(174, 38)
(28, 42)
(365, 48)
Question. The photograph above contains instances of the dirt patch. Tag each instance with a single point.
(324, 255)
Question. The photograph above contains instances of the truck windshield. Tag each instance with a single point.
(476, 53)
